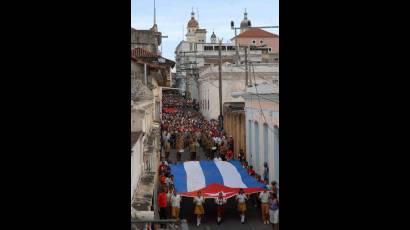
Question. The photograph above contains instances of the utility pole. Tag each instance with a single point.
(221, 122)
(246, 67)
(237, 49)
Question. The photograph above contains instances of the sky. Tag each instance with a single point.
(173, 16)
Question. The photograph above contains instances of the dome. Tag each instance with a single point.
(245, 22)
(193, 23)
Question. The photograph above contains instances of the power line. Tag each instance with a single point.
(260, 107)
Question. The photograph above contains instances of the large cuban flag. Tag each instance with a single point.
(212, 177)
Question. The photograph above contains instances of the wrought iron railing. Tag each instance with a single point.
(156, 224)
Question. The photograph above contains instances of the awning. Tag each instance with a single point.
(212, 177)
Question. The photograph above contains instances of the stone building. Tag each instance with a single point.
(149, 72)
(146, 39)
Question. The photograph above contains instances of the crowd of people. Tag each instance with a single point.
(184, 129)
(189, 129)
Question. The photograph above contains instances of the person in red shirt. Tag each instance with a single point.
(229, 155)
(162, 204)
(162, 167)
(245, 165)
(162, 178)
(251, 171)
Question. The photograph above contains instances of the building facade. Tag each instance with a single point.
(233, 80)
(195, 54)
(258, 39)
(235, 124)
(262, 127)
(149, 72)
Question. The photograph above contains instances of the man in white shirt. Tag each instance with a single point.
(264, 197)
(175, 204)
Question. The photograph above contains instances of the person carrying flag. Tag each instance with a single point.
(199, 208)
(241, 199)
(220, 208)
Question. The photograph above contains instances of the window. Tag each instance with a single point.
(208, 48)
(223, 47)
(270, 50)
(253, 41)
(260, 41)
(231, 48)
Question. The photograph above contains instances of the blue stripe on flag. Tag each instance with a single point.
(180, 179)
(211, 173)
(249, 181)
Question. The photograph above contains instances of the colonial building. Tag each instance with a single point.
(146, 39)
(149, 72)
(233, 80)
(262, 127)
(258, 39)
(195, 34)
(195, 54)
(235, 124)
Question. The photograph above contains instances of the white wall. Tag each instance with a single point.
(272, 118)
(209, 91)
(137, 164)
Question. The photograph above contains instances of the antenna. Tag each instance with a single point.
(155, 14)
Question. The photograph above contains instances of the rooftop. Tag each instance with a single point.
(140, 52)
(256, 33)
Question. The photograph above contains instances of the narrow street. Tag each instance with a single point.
(231, 219)
(215, 94)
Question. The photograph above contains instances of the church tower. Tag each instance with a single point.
(192, 27)
(213, 38)
(245, 23)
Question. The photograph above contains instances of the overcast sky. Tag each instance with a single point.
(173, 16)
